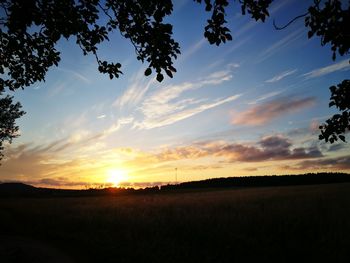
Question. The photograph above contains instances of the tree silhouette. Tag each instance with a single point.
(30, 30)
(336, 126)
(9, 112)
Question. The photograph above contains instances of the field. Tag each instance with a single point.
(270, 224)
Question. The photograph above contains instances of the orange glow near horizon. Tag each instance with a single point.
(116, 176)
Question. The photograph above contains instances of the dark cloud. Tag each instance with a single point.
(275, 142)
(251, 169)
(264, 113)
(336, 147)
(342, 163)
(298, 132)
(185, 152)
(269, 148)
(144, 184)
(60, 182)
(203, 167)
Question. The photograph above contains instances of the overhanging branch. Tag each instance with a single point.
(289, 23)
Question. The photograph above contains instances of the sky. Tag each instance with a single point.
(249, 107)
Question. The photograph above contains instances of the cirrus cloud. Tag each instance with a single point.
(281, 76)
(342, 65)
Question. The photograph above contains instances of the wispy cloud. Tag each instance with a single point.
(342, 65)
(266, 96)
(280, 45)
(135, 92)
(246, 27)
(81, 77)
(56, 89)
(167, 105)
(101, 116)
(76, 74)
(238, 43)
(264, 113)
(192, 49)
(275, 6)
(152, 121)
(281, 76)
(117, 125)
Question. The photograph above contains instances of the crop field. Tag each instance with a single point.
(270, 224)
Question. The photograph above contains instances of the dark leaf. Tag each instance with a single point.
(160, 77)
(148, 71)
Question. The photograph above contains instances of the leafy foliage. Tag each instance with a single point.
(9, 112)
(339, 124)
(31, 29)
(331, 23)
(215, 31)
(258, 9)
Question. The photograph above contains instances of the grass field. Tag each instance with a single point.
(272, 224)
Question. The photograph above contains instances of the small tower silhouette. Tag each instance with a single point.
(175, 175)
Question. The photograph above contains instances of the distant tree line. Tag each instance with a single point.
(24, 190)
(263, 181)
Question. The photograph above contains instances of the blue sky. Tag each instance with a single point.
(249, 107)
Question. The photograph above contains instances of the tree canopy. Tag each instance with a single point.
(336, 126)
(31, 29)
(9, 112)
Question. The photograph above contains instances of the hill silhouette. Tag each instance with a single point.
(16, 189)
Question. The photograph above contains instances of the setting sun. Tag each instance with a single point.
(116, 176)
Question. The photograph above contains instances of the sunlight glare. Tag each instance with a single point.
(116, 176)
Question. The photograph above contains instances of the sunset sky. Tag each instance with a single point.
(249, 107)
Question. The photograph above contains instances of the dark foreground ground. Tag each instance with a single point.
(270, 224)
